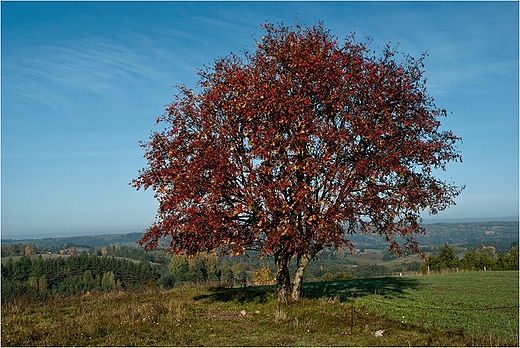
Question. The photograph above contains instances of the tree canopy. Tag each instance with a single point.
(294, 147)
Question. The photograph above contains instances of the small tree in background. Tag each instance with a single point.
(108, 281)
(262, 276)
(42, 283)
(295, 147)
(445, 259)
(179, 267)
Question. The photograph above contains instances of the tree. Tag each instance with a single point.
(445, 259)
(486, 260)
(470, 260)
(198, 271)
(108, 281)
(509, 261)
(295, 147)
(33, 282)
(262, 276)
(87, 276)
(226, 272)
(31, 249)
(42, 283)
(179, 267)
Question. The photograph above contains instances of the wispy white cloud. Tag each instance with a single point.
(91, 65)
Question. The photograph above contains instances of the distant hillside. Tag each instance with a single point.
(500, 234)
(97, 241)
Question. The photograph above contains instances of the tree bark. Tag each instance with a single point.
(302, 262)
(283, 280)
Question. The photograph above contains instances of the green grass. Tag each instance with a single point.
(483, 305)
(438, 310)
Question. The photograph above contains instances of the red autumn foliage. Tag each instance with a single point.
(296, 146)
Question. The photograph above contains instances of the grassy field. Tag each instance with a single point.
(470, 303)
(460, 309)
(474, 302)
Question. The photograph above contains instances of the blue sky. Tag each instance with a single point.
(82, 83)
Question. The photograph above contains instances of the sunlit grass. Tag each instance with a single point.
(476, 303)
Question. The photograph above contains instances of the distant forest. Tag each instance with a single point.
(40, 278)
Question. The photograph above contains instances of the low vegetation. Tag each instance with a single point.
(457, 309)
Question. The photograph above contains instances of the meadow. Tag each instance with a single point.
(458, 309)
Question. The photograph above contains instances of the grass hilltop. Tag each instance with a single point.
(457, 309)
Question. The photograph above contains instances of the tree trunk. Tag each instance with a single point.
(283, 280)
(302, 262)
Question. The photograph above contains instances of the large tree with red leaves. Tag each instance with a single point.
(292, 148)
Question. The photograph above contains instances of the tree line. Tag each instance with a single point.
(481, 258)
(39, 278)
(20, 249)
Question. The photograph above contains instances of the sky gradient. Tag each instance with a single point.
(82, 84)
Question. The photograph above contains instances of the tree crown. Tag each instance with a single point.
(296, 145)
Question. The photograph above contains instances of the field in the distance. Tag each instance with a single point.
(459, 309)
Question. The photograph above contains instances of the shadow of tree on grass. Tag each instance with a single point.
(387, 286)
(252, 294)
(345, 289)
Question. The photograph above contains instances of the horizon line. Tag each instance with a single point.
(426, 221)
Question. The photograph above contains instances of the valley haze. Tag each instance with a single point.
(41, 235)
(500, 234)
